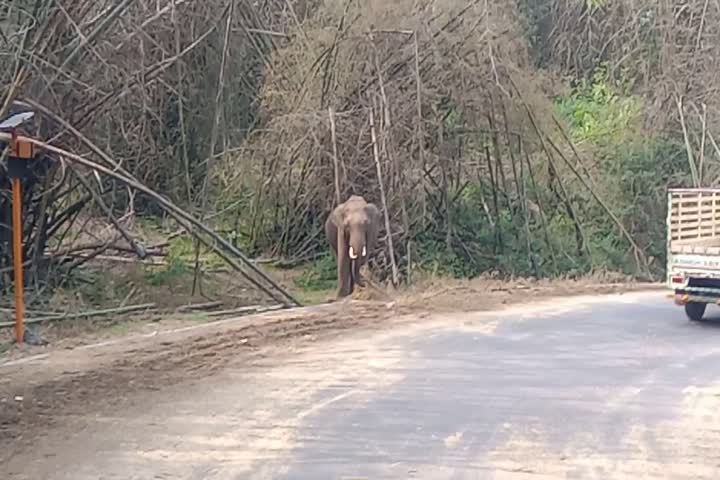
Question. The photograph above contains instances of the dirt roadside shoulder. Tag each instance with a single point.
(36, 391)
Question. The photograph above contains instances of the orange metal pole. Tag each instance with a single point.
(17, 258)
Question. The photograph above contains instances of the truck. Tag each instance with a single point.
(693, 248)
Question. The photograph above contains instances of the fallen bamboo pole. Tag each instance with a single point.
(244, 310)
(199, 306)
(184, 218)
(91, 313)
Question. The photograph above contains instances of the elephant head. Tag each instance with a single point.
(352, 231)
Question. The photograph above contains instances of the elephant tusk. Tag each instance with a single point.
(364, 252)
(352, 254)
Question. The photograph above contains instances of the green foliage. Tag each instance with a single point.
(479, 245)
(452, 117)
(637, 175)
(181, 248)
(320, 275)
(175, 268)
(439, 260)
(179, 262)
(597, 113)
(632, 170)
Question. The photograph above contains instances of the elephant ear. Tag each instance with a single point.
(373, 213)
(374, 222)
(338, 215)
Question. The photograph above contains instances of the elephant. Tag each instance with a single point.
(352, 231)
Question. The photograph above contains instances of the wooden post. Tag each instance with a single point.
(21, 152)
(17, 258)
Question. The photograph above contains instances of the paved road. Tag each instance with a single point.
(596, 389)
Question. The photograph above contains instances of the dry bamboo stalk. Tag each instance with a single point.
(383, 199)
(130, 294)
(419, 127)
(181, 95)
(496, 206)
(336, 162)
(543, 220)
(688, 147)
(565, 198)
(172, 6)
(213, 140)
(409, 260)
(137, 248)
(85, 40)
(519, 188)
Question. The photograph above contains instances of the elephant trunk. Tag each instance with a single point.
(357, 252)
(355, 272)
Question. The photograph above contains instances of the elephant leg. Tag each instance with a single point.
(345, 282)
(344, 277)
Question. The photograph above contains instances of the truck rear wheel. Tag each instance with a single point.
(695, 311)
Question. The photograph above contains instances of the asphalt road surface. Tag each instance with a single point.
(616, 388)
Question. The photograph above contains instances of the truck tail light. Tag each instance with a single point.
(677, 279)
